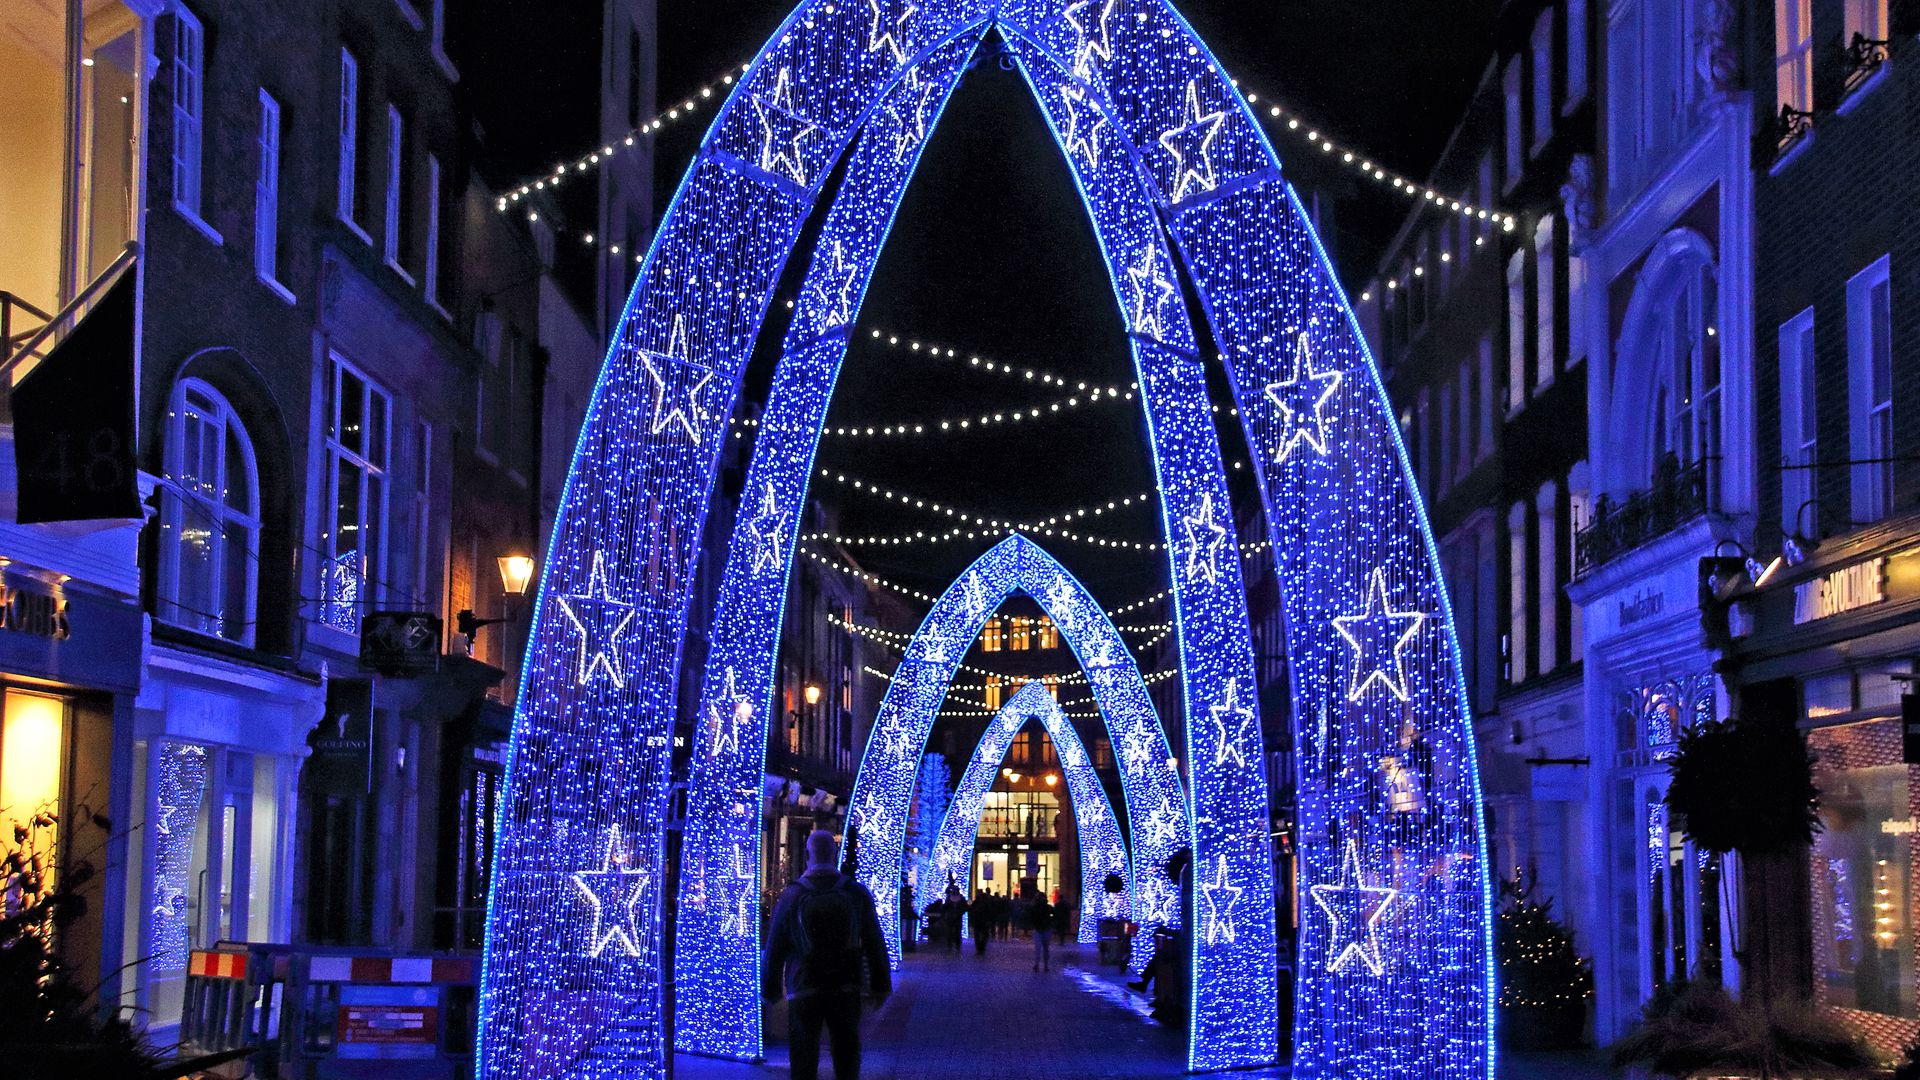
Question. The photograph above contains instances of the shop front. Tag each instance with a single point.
(1831, 645)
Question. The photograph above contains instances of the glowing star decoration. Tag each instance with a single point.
(1230, 722)
(685, 413)
(1151, 293)
(768, 528)
(883, 33)
(727, 715)
(1206, 537)
(1302, 398)
(602, 635)
(1060, 599)
(1191, 145)
(782, 130)
(1139, 746)
(1163, 822)
(1353, 910)
(1092, 36)
(1221, 895)
(909, 116)
(744, 881)
(1156, 899)
(979, 604)
(1085, 123)
(833, 290)
(612, 896)
(1379, 636)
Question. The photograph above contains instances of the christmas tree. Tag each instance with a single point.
(930, 810)
(1544, 984)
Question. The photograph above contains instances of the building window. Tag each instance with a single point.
(992, 691)
(990, 635)
(633, 78)
(189, 69)
(1516, 132)
(1517, 579)
(1542, 79)
(1546, 266)
(1866, 40)
(1022, 633)
(423, 537)
(266, 196)
(1516, 331)
(1686, 419)
(1485, 398)
(1048, 632)
(1052, 683)
(1423, 443)
(1793, 54)
(1464, 455)
(1799, 424)
(1444, 434)
(1870, 390)
(209, 517)
(1546, 506)
(1576, 54)
(1862, 870)
(354, 541)
(430, 268)
(394, 239)
(347, 190)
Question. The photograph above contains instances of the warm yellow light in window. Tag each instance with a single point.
(30, 750)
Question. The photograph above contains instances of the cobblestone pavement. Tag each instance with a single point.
(962, 1017)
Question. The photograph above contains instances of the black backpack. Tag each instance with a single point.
(827, 935)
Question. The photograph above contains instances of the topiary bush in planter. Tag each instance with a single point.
(1545, 986)
(1697, 1028)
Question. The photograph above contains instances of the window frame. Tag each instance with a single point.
(430, 269)
(1576, 57)
(1546, 281)
(1869, 417)
(266, 198)
(392, 245)
(370, 475)
(219, 514)
(347, 190)
(1798, 445)
(1514, 140)
(1793, 60)
(189, 72)
(1540, 59)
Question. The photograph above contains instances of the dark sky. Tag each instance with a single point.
(993, 255)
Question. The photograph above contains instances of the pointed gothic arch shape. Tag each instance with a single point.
(1102, 851)
(571, 984)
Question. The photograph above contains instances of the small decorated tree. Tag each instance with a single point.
(931, 809)
(1545, 984)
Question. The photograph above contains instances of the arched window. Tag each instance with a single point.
(1687, 410)
(1667, 395)
(209, 517)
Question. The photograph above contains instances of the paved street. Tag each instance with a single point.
(956, 1018)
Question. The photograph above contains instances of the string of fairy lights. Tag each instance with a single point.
(875, 579)
(964, 423)
(1276, 117)
(897, 640)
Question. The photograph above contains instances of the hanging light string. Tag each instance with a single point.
(1276, 116)
(899, 640)
(965, 423)
(928, 598)
(963, 533)
(981, 706)
(1095, 510)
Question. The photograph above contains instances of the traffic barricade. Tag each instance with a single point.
(362, 1015)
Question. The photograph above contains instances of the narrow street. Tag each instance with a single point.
(966, 1016)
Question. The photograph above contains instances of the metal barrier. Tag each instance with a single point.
(332, 1014)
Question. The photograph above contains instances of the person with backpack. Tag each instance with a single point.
(825, 937)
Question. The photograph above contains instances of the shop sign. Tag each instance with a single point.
(1645, 604)
(38, 614)
(1849, 588)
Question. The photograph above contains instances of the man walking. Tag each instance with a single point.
(826, 929)
(1041, 916)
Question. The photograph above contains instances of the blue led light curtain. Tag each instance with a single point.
(1101, 850)
(1394, 944)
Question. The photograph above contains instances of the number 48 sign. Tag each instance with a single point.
(73, 420)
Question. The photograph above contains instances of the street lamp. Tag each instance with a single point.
(516, 571)
(812, 693)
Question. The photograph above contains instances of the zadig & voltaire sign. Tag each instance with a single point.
(1846, 589)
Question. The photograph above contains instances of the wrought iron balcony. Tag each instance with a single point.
(1864, 57)
(1789, 129)
(1678, 495)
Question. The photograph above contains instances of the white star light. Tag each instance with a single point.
(1378, 630)
(727, 713)
(834, 291)
(163, 821)
(739, 916)
(1220, 912)
(887, 38)
(767, 528)
(1155, 902)
(1353, 909)
(975, 595)
(1139, 744)
(1302, 398)
(1151, 291)
(599, 646)
(782, 153)
(910, 126)
(613, 893)
(870, 810)
(1101, 655)
(1230, 722)
(1085, 122)
(1092, 40)
(1205, 539)
(1161, 821)
(1191, 145)
(690, 415)
(1060, 598)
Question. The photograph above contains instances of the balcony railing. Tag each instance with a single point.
(1678, 495)
(1864, 57)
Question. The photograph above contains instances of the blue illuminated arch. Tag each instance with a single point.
(1394, 939)
(1101, 850)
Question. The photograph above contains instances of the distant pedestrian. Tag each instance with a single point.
(909, 917)
(1040, 916)
(954, 915)
(826, 930)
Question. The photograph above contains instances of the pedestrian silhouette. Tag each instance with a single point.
(825, 941)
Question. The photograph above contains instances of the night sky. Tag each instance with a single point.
(993, 255)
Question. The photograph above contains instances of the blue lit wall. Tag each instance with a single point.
(1395, 940)
(1101, 850)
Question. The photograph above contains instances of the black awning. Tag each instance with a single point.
(73, 420)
